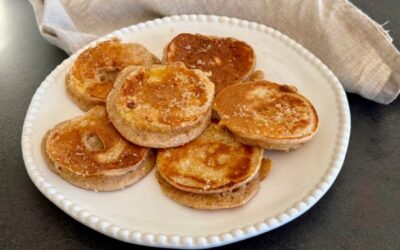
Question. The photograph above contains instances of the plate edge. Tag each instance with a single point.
(160, 240)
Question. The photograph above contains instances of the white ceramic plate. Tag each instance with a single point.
(141, 214)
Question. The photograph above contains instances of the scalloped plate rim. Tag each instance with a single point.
(196, 242)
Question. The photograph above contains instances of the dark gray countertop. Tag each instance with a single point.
(360, 211)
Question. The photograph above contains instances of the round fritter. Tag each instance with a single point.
(212, 163)
(267, 114)
(88, 148)
(224, 59)
(228, 199)
(161, 105)
(92, 76)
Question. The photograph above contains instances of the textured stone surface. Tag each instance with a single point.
(360, 211)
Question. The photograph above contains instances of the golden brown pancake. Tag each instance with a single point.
(267, 114)
(228, 199)
(225, 59)
(212, 163)
(161, 105)
(88, 152)
(92, 76)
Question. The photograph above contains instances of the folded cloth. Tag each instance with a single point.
(357, 49)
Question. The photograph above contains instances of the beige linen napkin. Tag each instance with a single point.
(352, 45)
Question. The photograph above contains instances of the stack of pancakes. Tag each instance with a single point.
(211, 172)
(137, 104)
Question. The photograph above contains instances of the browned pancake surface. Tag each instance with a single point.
(164, 95)
(228, 199)
(226, 60)
(266, 109)
(90, 145)
(213, 162)
(96, 68)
